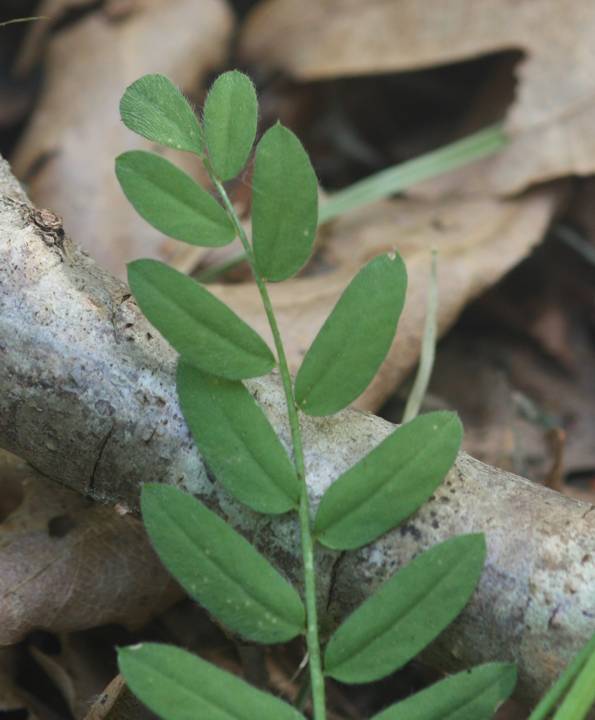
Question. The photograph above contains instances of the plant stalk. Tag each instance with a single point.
(312, 639)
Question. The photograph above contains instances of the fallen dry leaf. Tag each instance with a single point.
(50, 13)
(518, 370)
(116, 702)
(14, 703)
(67, 564)
(76, 667)
(478, 241)
(552, 120)
(66, 156)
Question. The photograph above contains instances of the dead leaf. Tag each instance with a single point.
(14, 703)
(552, 120)
(97, 564)
(66, 156)
(478, 241)
(50, 12)
(78, 669)
(527, 348)
(116, 702)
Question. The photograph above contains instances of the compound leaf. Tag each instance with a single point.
(230, 118)
(237, 441)
(472, 695)
(390, 483)
(354, 340)
(171, 201)
(198, 325)
(407, 612)
(177, 685)
(154, 108)
(284, 204)
(219, 568)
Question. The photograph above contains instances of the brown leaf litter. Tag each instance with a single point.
(551, 122)
(66, 155)
(67, 564)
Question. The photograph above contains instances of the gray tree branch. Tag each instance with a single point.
(87, 396)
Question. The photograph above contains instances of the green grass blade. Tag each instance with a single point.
(390, 483)
(400, 177)
(354, 340)
(229, 119)
(397, 179)
(237, 441)
(581, 696)
(407, 612)
(15, 21)
(428, 347)
(154, 108)
(472, 695)
(198, 325)
(556, 692)
(171, 201)
(284, 205)
(179, 686)
(219, 568)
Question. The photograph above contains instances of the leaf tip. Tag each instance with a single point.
(153, 493)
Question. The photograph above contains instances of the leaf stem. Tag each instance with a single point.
(312, 639)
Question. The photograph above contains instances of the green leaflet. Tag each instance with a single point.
(407, 612)
(179, 686)
(171, 201)
(154, 108)
(219, 568)
(472, 695)
(390, 483)
(237, 441)
(284, 205)
(355, 338)
(230, 118)
(198, 325)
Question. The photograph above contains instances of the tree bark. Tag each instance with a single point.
(87, 396)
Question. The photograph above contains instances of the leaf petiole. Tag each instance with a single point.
(312, 638)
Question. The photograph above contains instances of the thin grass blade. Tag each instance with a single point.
(400, 177)
(428, 347)
(581, 696)
(553, 696)
(397, 179)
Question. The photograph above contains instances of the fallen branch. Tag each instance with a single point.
(87, 396)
